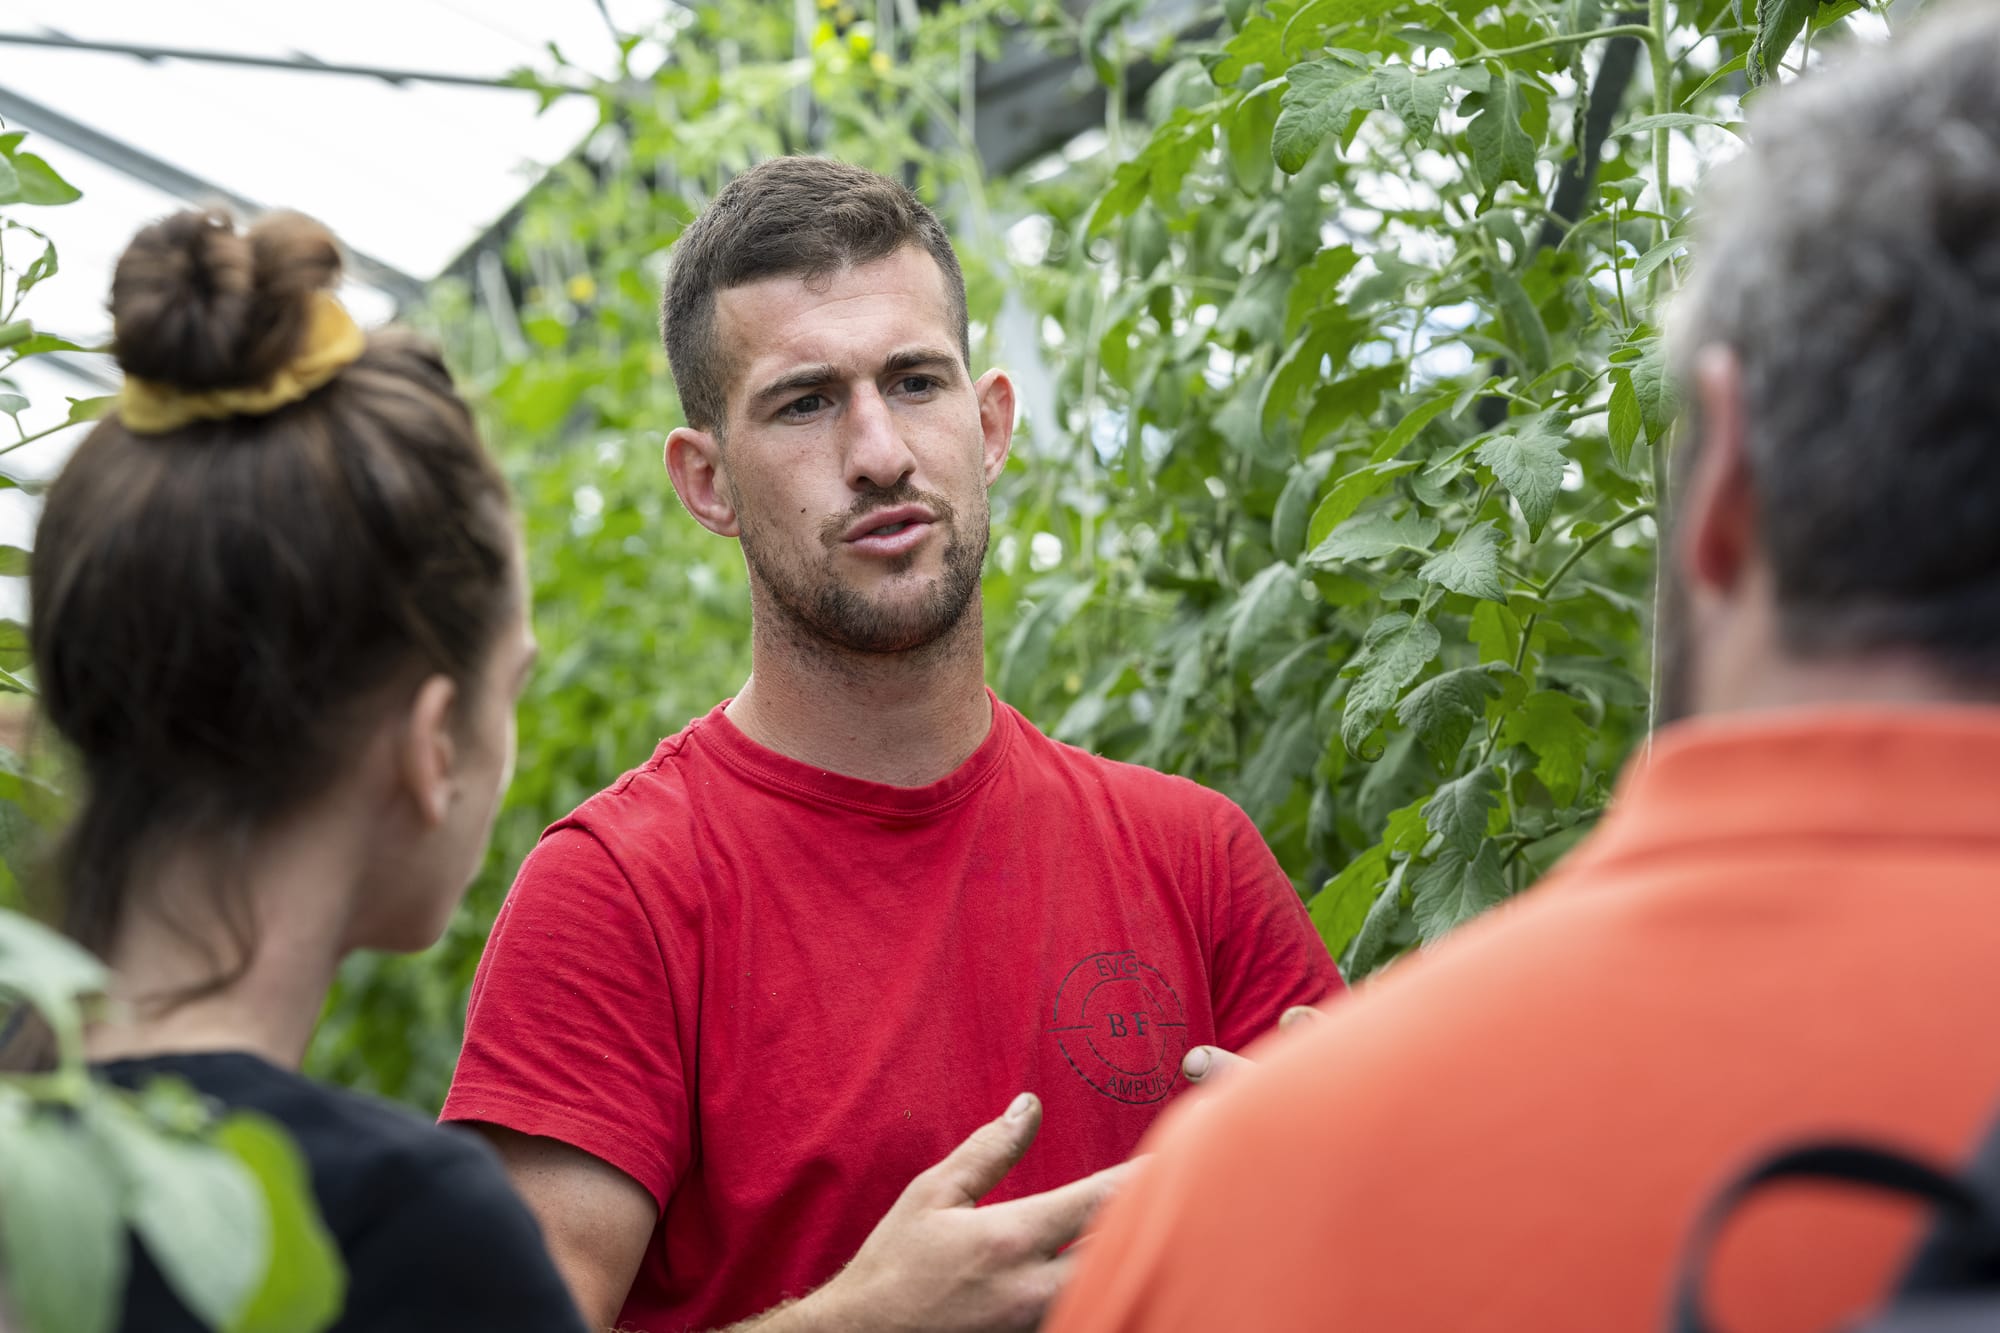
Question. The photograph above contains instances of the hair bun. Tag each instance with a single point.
(198, 304)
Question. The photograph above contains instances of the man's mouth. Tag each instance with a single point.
(887, 523)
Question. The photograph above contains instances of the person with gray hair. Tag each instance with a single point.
(1787, 926)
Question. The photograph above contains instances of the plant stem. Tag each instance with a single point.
(30, 439)
(1663, 102)
(1651, 36)
(1618, 270)
(1584, 548)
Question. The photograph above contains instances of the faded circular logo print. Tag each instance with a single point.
(1121, 1027)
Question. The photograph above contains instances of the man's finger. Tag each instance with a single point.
(1053, 1219)
(975, 1166)
(1298, 1016)
(1209, 1064)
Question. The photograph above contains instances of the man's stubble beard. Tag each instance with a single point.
(821, 611)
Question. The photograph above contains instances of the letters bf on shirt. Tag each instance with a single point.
(1121, 1026)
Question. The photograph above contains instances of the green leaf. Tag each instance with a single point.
(14, 652)
(304, 1285)
(1444, 708)
(15, 332)
(1260, 609)
(90, 409)
(1372, 536)
(1320, 98)
(44, 266)
(1550, 726)
(1316, 284)
(10, 183)
(1287, 753)
(1457, 812)
(38, 182)
(1657, 256)
(13, 562)
(1372, 942)
(1302, 365)
(1340, 907)
(1247, 131)
(1529, 462)
(1455, 888)
(13, 404)
(61, 1237)
(1416, 98)
(48, 342)
(1623, 422)
(1410, 427)
(1471, 565)
(1501, 149)
(1347, 400)
(1348, 494)
(47, 970)
(1405, 833)
(1305, 662)
(1671, 120)
(1722, 72)
(1393, 651)
(1779, 22)
(1496, 631)
(198, 1212)
(1291, 516)
(1026, 653)
(1526, 332)
(1653, 392)
(1157, 172)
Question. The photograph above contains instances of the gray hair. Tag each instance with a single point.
(1851, 260)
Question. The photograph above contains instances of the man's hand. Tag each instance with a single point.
(1211, 1064)
(937, 1261)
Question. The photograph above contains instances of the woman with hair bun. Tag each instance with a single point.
(278, 612)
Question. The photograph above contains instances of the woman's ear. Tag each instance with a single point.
(428, 755)
(694, 462)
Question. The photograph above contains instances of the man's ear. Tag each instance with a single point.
(1718, 511)
(694, 462)
(427, 754)
(996, 420)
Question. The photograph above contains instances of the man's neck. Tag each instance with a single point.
(906, 719)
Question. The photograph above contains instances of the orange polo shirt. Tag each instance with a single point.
(1787, 927)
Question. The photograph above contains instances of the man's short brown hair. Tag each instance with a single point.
(792, 215)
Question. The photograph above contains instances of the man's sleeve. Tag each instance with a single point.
(571, 1032)
(1267, 956)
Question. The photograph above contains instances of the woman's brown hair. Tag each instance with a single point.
(213, 607)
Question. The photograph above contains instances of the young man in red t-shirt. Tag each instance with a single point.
(740, 1007)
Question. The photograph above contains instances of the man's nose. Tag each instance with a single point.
(877, 456)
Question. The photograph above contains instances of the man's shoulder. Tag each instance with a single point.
(649, 795)
(1130, 785)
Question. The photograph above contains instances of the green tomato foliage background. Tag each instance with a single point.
(1340, 496)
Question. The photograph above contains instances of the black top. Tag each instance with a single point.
(433, 1236)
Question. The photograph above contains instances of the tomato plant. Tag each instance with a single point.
(1340, 470)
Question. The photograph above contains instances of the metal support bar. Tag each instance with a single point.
(295, 63)
(170, 179)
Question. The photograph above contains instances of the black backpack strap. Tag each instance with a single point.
(1844, 1163)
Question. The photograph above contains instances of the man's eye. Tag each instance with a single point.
(918, 383)
(804, 407)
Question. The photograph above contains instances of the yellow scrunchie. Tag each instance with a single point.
(333, 340)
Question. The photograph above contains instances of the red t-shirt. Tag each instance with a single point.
(772, 994)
